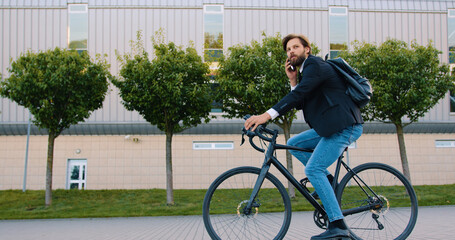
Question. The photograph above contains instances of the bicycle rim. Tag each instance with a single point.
(398, 214)
(224, 202)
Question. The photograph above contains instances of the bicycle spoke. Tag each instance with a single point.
(394, 218)
(224, 207)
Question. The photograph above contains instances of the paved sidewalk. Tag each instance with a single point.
(432, 223)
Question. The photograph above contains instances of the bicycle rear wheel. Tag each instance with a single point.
(225, 200)
(394, 207)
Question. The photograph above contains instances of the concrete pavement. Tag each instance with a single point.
(432, 223)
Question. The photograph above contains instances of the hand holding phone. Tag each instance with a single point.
(291, 67)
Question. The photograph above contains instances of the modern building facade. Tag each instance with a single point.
(117, 149)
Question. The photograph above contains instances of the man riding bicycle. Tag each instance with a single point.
(335, 122)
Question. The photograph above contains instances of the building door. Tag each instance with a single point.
(77, 174)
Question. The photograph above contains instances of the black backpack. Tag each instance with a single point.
(358, 87)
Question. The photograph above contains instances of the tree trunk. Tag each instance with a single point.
(169, 177)
(50, 162)
(404, 158)
(289, 166)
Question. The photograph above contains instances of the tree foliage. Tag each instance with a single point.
(171, 91)
(407, 81)
(252, 78)
(60, 88)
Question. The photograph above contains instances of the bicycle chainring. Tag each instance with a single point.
(320, 220)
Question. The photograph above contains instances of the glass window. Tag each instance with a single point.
(452, 102)
(213, 145)
(216, 105)
(213, 34)
(445, 143)
(452, 93)
(77, 27)
(213, 43)
(338, 30)
(451, 34)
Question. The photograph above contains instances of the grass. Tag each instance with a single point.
(15, 204)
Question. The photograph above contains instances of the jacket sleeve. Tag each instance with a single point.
(311, 79)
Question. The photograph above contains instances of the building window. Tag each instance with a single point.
(452, 102)
(210, 145)
(451, 34)
(216, 105)
(213, 34)
(338, 30)
(445, 143)
(452, 93)
(77, 27)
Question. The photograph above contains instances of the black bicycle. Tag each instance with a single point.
(378, 202)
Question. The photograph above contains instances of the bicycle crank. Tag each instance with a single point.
(320, 220)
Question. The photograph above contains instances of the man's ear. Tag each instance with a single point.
(307, 50)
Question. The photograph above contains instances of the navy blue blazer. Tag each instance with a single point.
(321, 94)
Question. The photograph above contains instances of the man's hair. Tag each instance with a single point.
(303, 39)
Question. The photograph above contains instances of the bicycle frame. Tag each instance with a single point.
(270, 159)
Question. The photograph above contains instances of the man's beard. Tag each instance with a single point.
(298, 62)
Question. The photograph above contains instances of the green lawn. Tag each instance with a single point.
(15, 204)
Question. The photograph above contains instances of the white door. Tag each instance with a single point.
(77, 174)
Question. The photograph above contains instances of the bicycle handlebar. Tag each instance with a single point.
(258, 132)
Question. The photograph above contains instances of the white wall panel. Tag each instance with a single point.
(42, 24)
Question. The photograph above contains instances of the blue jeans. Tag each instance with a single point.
(326, 152)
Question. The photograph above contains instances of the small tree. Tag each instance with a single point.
(252, 79)
(171, 91)
(60, 88)
(407, 82)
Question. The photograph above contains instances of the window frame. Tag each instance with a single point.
(450, 141)
(221, 12)
(213, 145)
(70, 12)
(450, 15)
(345, 14)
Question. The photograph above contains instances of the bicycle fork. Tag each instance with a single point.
(257, 186)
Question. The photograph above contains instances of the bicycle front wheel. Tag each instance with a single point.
(388, 194)
(224, 205)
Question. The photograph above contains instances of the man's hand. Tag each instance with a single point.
(292, 75)
(255, 121)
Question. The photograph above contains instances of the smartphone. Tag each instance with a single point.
(292, 68)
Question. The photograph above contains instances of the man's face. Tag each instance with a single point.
(296, 52)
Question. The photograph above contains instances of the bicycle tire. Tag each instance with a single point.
(224, 201)
(398, 216)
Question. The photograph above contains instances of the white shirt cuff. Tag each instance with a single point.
(273, 113)
(293, 87)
